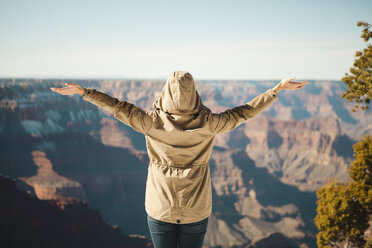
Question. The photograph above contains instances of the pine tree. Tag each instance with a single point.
(361, 172)
(341, 218)
(344, 209)
(359, 82)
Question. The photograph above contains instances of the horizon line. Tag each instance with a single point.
(159, 78)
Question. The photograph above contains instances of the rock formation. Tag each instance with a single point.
(66, 222)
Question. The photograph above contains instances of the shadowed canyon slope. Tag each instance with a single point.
(68, 222)
(264, 173)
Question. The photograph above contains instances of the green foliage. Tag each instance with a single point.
(361, 171)
(341, 218)
(359, 82)
(344, 208)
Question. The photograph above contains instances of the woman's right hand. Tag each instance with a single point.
(72, 88)
(288, 84)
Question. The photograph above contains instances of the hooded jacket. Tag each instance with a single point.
(180, 133)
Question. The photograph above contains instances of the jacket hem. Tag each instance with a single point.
(184, 222)
(179, 166)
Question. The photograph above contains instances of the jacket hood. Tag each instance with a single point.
(179, 95)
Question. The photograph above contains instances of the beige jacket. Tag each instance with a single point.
(179, 132)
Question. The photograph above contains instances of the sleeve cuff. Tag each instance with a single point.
(87, 92)
(272, 93)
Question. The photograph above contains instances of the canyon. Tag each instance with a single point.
(264, 173)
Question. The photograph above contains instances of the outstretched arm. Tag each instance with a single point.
(124, 111)
(232, 118)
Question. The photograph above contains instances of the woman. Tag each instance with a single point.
(179, 133)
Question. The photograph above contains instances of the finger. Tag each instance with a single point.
(295, 82)
(303, 82)
(74, 85)
(57, 89)
(61, 89)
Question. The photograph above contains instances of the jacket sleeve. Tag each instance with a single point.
(232, 118)
(124, 111)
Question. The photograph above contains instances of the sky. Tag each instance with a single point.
(231, 39)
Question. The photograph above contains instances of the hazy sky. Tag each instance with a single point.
(228, 39)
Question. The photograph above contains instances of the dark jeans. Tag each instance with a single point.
(169, 235)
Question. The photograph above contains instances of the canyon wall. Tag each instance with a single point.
(264, 173)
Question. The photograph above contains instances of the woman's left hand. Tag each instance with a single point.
(72, 88)
(288, 84)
